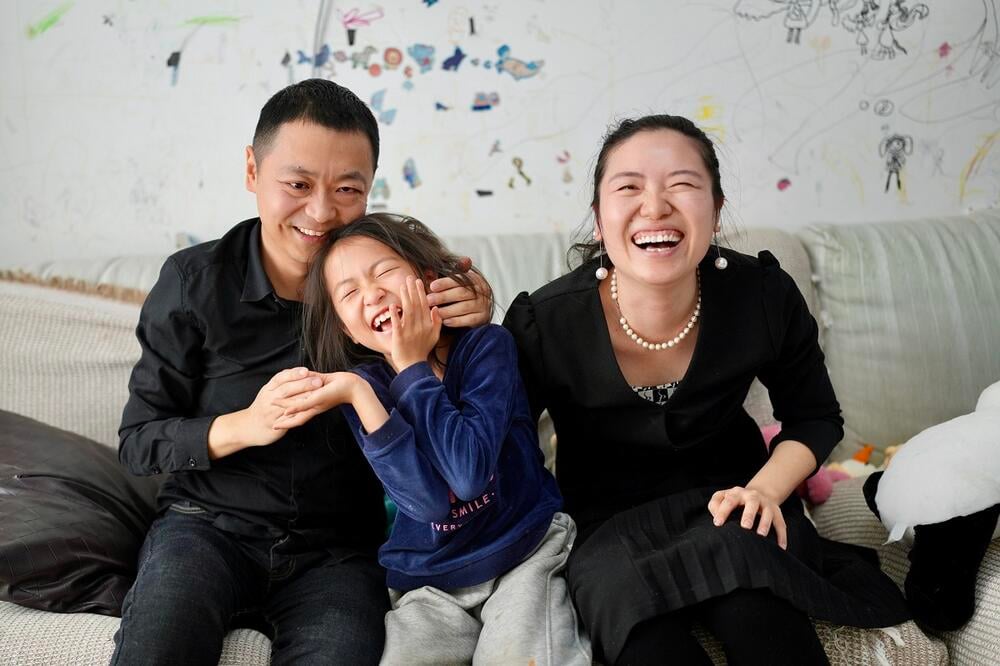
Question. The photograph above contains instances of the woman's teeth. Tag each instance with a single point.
(659, 240)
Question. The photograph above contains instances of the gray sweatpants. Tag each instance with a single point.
(524, 616)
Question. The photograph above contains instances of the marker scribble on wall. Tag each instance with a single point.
(44, 24)
(410, 173)
(485, 101)
(424, 55)
(784, 184)
(361, 58)
(108, 19)
(496, 148)
(174, 59)
(385, 116)
(380, 189)
(519, 167)
(355, 18)
(452, 62)
(883, 19)
(519, 69)
(392, 57)
(894, 148)
(977, 160)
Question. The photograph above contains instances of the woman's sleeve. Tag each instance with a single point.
(797, 379)
(521, 323)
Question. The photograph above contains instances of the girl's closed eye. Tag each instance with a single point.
(347, 294)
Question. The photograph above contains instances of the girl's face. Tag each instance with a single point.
(656, 214)
(364, 278)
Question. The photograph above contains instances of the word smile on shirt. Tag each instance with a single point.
(463, 511)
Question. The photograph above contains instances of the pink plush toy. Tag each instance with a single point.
(818, 487)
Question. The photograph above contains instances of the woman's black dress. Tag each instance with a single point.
(637, 476)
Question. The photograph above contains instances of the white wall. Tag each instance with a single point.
(103, 153)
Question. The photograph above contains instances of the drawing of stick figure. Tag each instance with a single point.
(894, 148)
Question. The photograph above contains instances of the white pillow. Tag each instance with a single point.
(949, 470)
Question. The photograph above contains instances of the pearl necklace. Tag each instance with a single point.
(646, 344)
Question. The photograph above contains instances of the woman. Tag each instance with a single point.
(643, 357)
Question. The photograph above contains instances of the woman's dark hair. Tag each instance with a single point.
(584, 250)
(317, 101)
(327, 345)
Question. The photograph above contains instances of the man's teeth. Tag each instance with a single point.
(310, 232)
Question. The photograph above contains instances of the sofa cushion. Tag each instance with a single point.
(912, 321)
(66, 358)
(71, 519)
(34, 638)
(846, 517)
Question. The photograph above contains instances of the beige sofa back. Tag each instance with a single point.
(912, 320)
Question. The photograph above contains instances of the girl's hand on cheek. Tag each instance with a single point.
(416, 327)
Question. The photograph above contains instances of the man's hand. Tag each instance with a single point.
(460, 306)
(254, 426)
(416, 328)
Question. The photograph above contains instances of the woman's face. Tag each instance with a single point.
(656, 214)
(364, 278)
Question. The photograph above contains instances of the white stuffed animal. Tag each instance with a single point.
(949, 470)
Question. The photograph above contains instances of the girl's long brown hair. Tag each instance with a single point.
(327, 345)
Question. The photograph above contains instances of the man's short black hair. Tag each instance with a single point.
(317, 101)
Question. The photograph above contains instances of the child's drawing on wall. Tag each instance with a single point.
(894, 148)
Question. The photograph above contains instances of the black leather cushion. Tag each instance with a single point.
(72, 519)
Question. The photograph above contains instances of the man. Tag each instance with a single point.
(253, 521)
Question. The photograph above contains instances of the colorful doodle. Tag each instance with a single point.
(519, 69)
(385, 116)
(410, 173)
(424, 55)
(496, 148)
(354, 19)
(392, 57)
(380, 189)
(784, 184)
(438, 106)
(485, 101)
(452, 62)
(49, 20)
(361, 58)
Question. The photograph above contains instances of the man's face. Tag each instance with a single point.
(311, 179)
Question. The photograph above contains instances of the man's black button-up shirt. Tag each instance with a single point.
(212, 333)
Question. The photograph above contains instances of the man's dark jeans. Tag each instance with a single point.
(196, 581)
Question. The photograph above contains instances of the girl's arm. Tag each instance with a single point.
(465, 437)
(386, 440)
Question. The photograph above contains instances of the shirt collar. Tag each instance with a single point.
(256, 284)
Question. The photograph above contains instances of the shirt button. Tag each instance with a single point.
(156, 469)
(192, 462)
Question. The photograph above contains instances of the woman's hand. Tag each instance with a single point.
(416, 328)
(753, 502)
(461, 306)
(337, 388)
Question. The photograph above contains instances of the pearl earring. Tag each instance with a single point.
(601, 273)
(720, 261)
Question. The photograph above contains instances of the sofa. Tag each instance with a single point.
(909, 314)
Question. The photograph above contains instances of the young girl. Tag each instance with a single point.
(476, 550)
